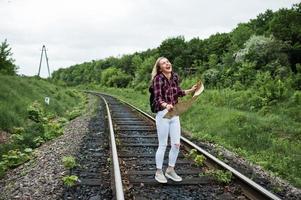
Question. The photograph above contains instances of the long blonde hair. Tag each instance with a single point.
(156, 68)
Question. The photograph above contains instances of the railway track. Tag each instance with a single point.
(134, 143)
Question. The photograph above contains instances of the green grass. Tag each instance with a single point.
(267, 135)
(28, 119)
(17, 93)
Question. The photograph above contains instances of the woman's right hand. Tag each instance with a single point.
(169, 107)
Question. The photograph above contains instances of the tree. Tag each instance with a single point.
(7, 65)
(213, 61)
(240, 35)
(286, 26)
(217, 44)
(263, 50)
(143, 72)
(114, 77)
(179, 64)
(260, 25)
(172, 48)
(196, 49)
(125, 64)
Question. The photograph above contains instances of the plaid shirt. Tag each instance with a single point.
(166, 90)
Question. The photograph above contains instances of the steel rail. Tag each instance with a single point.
(257, 191)
(117, 175)
(256, 187)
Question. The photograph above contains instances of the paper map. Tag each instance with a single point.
(183, 106)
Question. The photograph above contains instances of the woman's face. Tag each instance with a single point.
(165, 66)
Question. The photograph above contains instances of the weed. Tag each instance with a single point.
(199, 160)
(192, 153)
(15, 157)
(69, 162)
(70, 180)
(220, 175)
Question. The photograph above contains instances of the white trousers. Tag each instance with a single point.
(167, 127)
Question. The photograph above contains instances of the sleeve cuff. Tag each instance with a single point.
(182, 93)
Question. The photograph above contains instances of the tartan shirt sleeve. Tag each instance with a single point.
(180, 92)
(158, 84)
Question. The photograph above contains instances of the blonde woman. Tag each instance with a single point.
(166, 90)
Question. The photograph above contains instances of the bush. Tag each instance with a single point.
(15, 157)
(17, 138)
(296, 81)
(52, 130)
(271, 90)
(18, 130)
(35, 112)
(141, 86)
(296, 98)
(73, 114)
(211, 77)
(32, 131)
(38, 141)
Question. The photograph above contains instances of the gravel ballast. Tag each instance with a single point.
(41, 177)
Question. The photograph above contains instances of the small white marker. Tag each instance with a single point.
(47, 100)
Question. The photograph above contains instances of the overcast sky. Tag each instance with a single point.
(75, 31)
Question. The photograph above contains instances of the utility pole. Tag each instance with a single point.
(44, 50)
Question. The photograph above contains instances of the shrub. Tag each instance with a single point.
(38, 141)
(211, 76)
(296, 98)
(15, 157)
(271, 90)
(73, 114)
(18, 130)
(35, 112)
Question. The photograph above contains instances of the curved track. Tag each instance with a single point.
(136, 143)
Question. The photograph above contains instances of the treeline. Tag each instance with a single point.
(265, 51)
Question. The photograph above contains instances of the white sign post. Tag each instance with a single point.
(47, 100)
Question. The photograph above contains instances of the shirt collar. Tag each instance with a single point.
(174, 76)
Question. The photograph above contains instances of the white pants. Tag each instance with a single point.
(167, 127)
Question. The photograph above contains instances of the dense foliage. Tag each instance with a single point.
(268, 47)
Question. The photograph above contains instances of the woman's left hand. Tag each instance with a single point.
(193, 88)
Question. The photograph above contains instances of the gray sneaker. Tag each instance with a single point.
(160, 177)
(173, 175)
